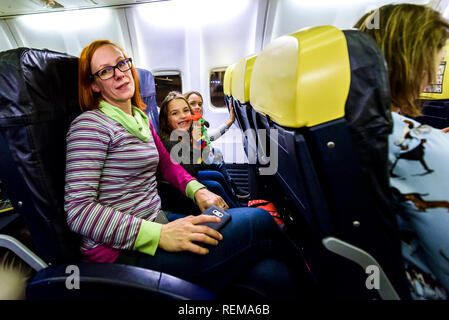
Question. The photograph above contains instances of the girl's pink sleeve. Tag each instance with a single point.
(171, 171)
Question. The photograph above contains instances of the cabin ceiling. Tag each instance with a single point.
(10, 8)
(22, 7)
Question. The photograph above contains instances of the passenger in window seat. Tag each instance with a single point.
(412, 38)
(195, 100)
(181, 138)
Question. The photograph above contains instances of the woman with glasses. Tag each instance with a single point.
(111, 196)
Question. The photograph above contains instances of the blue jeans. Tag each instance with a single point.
(253, 250)
(215, 182)
(217, 164)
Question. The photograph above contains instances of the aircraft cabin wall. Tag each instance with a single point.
(288, 16)
(189, 38)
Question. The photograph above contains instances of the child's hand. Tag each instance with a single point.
(231, 115)
(196, 131)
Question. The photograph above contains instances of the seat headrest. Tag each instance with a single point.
(147, 89)
(302, 79)
(241, 78)
(146, 83)
(37, 85)
(440, 89)
(227, 79)
(368, 105)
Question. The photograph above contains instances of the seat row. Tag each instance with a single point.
(315, 112)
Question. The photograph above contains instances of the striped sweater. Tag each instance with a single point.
(111, 181)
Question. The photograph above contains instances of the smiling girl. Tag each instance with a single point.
(179, 137)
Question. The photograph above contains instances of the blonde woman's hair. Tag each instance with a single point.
(410, 37)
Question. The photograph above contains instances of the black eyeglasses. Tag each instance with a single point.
(109, 71)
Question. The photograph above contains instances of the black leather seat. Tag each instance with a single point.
(38, 101)
(148, 95)
(240, 80)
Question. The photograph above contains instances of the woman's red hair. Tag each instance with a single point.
(89, 99)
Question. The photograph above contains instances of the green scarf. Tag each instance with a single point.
(138, 125)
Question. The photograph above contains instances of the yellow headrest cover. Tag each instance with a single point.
(227, 79)
(302, 79)
(241, 77)
(440, 89)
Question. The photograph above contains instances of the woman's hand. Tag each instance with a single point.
(231, 115)
(204, 199)
(445, 130)
(180, 234)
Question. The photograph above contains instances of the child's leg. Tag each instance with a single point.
(217, 188)
(215, 175)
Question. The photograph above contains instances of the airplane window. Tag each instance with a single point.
(216, 87)
(166, 83)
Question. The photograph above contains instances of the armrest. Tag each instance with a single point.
(106, 281)
(363, 259)
(22, 251)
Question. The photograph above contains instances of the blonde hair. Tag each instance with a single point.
(14, 274)
(410, 37)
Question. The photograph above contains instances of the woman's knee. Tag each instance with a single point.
(259, 219)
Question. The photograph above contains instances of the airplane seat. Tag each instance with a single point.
(38, 101)
(435, 98)
(324, 95)
(228, 97)
(227, 78)
(261, 126)
(254, 187)
(147, 88)
(435, 113)
(171, 198)
(241, 76)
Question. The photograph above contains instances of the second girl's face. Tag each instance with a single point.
(178, 113)
(120, 88)
(196, 103)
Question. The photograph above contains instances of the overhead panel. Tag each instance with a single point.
(22, 7)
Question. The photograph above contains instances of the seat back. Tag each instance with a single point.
(287, 103)
(38, 101)
(435, 98)
(148, 94)
(241, 76)
(325, 92)
(227, 92)
(227, 79)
